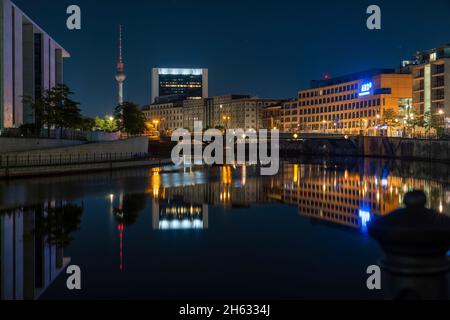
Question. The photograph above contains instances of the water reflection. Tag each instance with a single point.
(32, 241)
(35, 230)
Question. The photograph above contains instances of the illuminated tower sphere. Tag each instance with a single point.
(120, 74)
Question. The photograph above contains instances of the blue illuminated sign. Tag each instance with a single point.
(365, 217)
(366, 89)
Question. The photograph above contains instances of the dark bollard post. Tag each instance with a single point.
(415, 241)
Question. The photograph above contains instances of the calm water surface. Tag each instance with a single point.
(207, 233)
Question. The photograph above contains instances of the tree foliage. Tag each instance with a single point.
(55, 109)
(130, 118)
(107, 124)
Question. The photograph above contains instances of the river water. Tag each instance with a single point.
(205, 232)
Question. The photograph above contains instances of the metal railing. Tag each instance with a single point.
(40, 160)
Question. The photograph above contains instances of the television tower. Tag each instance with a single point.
(120, 74)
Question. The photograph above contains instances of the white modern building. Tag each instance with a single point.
(30, 62)
(186, 83)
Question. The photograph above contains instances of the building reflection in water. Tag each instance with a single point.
(337, 194)
(31, 243)
(32, 239)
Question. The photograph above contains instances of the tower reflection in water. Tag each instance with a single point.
(31, 242)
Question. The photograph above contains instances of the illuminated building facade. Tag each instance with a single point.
(220, 109)
(289, 116)
(30, 62)
(165, 116)
(272, 116)
(352, 104)
(189, 83)
(431, 83)
(249, 113)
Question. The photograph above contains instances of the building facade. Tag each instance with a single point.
(165, 116)
(353, 104)
(30, 62)
(249, 113)
(194, 110)
(190, 83)
(431, 83)
(272, 116)
(289, 116)
(220, 110)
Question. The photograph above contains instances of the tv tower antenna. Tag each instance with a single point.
(120, 73)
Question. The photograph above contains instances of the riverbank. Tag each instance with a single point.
(372, 147)
(65, 169)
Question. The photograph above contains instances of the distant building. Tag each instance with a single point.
(190, 83)
(272, 116)
(431, 83)
(354, 104)
(229, 111)
(249, 113)
(165, 116)
(220, 109)
(289, 116)
(30, 62)
(194, 110)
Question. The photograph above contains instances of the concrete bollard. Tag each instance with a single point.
(415, 241)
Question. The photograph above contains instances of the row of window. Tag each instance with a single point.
(337, 108)
(311, 94)
(352, 96)
(343, 116)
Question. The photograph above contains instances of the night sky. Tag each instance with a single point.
(268, 48)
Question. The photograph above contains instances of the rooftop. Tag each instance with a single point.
(350, 77)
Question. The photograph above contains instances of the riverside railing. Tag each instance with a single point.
(40, 160)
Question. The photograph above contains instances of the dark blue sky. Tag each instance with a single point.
(268, 48)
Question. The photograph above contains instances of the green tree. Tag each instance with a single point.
(107, 124)
(130, 118)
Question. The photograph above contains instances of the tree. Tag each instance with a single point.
(55, 109)
(67, 112)
(432, 121)
(130, 118)
(390, 117)
(107, 124)
(87, 124)
(38, 114)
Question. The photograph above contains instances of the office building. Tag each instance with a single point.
(30, 63)
(354, 104)
(190, 83)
